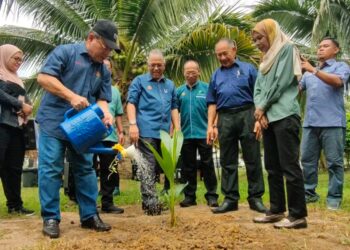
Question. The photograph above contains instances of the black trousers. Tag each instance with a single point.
(11, 163)
(189, 167)
(281, 145)
(108, 180)
(237, 127)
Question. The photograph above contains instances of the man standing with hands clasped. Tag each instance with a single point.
(231, 96)
(194, 118)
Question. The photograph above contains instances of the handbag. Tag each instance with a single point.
(29, 133)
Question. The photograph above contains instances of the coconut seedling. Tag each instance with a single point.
(170, 152)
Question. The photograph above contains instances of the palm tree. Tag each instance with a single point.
(309, 20)
(142, 24)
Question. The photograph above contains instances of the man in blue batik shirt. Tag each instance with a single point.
(193, 109)
(151, 107)
(324, 122)
(230, 95)
(72, 76)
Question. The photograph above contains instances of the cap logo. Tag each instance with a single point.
(115, 36)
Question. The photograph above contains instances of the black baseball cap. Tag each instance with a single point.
(109, 33)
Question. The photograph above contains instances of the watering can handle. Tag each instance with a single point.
(69, 113)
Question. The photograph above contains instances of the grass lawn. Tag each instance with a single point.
(130, 194)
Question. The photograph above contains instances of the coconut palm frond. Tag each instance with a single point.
(199, 45)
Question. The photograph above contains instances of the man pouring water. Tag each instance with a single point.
(72, 76)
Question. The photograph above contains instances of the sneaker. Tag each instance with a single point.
(269, 218)
(51, 228)
(112, 210)
(312, 198)
(188, 202)
(291, 223)
(333, 205)
(21, 211)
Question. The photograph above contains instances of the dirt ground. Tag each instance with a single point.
(197, 228)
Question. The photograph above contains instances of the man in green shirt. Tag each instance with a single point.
(194, 118)
(109, 181)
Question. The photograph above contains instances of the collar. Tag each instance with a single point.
(236, 63)
(149, 78)
(329, 62)
(193, 86)
(82, 48)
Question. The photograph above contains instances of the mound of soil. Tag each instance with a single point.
(197, 228)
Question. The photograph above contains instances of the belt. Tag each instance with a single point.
(236, 109)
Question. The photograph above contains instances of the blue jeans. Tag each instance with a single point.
(51, 162)
(331, 140)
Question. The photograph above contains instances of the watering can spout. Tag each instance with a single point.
(126, 152)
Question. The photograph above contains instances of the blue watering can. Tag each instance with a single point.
(85, 128)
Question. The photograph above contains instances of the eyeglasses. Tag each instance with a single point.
(153, 66)
(17, 59)
(103, 45)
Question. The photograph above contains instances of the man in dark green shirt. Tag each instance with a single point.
(194, 118)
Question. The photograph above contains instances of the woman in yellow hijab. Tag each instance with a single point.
(278, 111)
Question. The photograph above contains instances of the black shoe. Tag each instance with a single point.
(96, 223)
(212, 203)
(188, 202)
(51, 228)
(257, 205)
(226, 206)
(21, 211)
(112, 210)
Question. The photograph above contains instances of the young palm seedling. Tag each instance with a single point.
(170, 152)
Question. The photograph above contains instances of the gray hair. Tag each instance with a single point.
(231, 43)
(156, 52)
(193, 61)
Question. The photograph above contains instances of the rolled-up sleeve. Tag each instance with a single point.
(343, 71)
(134, 91)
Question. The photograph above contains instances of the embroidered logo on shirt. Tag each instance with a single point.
(149, 87)
(165, 91)
(98, 74)
(183, 94)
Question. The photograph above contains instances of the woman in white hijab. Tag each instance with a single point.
(14, 111)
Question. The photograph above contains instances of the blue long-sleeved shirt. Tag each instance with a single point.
(154, 102)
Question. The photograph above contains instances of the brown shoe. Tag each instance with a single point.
(291, 223)
(269, 218)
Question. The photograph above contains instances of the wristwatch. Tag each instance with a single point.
(314, 72)
(132, 123)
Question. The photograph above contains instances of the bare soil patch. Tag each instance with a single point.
(197, 228)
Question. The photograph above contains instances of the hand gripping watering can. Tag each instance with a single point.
(85, 128)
